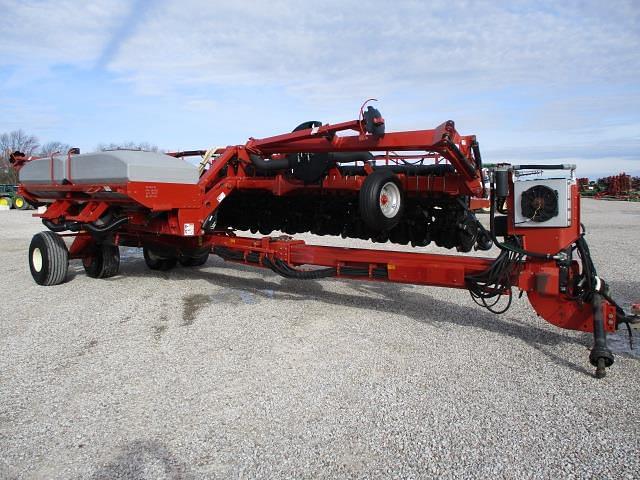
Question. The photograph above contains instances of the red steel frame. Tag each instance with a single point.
(187, 205)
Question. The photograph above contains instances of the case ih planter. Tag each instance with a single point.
(351, 179)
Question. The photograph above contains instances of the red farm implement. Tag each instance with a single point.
(351, 179)
(619, 187)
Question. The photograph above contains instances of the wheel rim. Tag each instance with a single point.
(19, 202)
(389, 199)
(36, 259)
(4, 202)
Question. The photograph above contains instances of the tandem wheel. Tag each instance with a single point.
(104, 263)
(193, 261)
(48, 259)
(157, 262)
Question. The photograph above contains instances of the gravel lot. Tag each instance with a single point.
(224, 372)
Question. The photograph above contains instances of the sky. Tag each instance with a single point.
(536, 81)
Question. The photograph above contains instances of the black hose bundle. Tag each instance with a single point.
(228, 254)
(277, 265)
(378, 272)
(106, 228)
(77, 226)
(495, 282)
(488, 287)
(61, 227)
(589, 284)
(284, 269)
(269, 165)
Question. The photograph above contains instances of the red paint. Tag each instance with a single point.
(158, 212)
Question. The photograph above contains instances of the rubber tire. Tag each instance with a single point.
(369, 204)
(7, 202)
(55, 259)
(194, 261)
(24, 205)
(105, 263)
(158, 263)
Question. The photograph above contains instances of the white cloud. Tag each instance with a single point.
(44, 34)
(334, 50)
(344, 48)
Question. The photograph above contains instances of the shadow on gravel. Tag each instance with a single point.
(385, 297)
(143, 459)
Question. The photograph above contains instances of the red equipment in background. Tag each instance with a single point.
(583, 183)
(615, 187)
(618, 186)
(185, 222)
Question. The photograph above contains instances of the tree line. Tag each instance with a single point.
(20, 141)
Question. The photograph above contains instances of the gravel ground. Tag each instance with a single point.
(224, 372)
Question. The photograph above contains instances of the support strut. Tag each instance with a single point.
(600, 356)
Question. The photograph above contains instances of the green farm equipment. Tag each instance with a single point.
(9, 197)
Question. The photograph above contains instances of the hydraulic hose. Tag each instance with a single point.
(61, 227)
(107, 228)
(470, 169)
(76, 226)
(281, 164)
(350, 157)
(268, 165)
(286, 271)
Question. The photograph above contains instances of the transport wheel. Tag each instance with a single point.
(193, 261)
(381, 201)
(20, 203)
(104, 263)
(6, 202)
(157, 262)
(48, 258)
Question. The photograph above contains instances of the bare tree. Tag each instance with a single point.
(53, 147)
(144, 146)
(16, 141)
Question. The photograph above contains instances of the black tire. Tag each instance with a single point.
(105, 262)
(370, 204)
(157, 262)
(194, 261)
(48, 259)
(19, 203)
